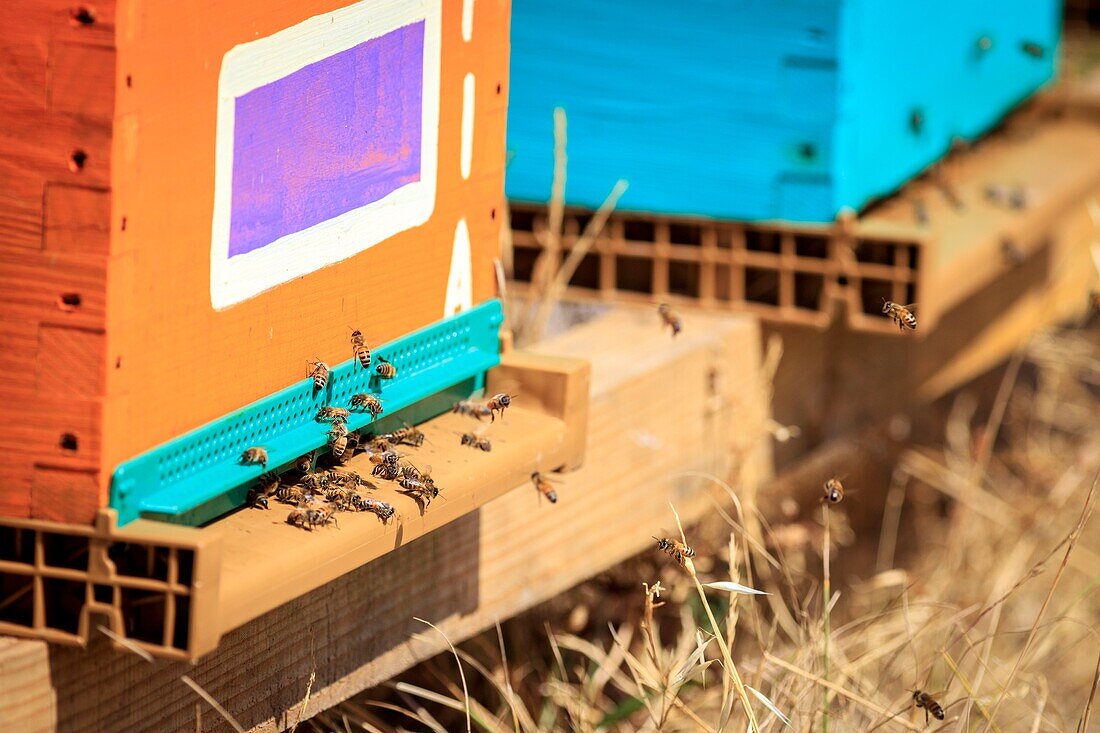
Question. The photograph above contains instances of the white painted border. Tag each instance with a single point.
(466, 147)
(254, 64)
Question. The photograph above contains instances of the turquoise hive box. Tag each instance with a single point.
(762, 109)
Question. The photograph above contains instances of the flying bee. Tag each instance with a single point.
(472, 409)
(900, 314)
(499, 402)
(304, 463)
(367, 402)
(834, 491)
(334, 414)
(670, 318)
(359, 348)
(338, 438)
(407, 435)
(385, 370)
(308, 518)
(255, 455)
(545, 487)
(675, 549)
(475, 441)
(923, 700)
(319, 374)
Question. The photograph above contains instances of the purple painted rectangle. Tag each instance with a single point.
(329, 138)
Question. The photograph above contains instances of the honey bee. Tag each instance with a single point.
(498, 402)
(676, 549)
(670, 318)
(308, 518)
(267, 485)
(359, 348)
(422, 492)
(304, 463)
(476, 442)
(834, 491)
(255, 455)
(385, 465)
(257, 499)
(472, 409)
(900, 314)
(407, 435)
(923, 700)
(292, 495)
(335, 414)
(545, 487)
(350, 478)
(383, 509)
(338, 439)
(385, 370)
(368, 402)
(316, 481)
(319, 374)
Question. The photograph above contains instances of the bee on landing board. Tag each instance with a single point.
(833, 491)
(385, 465)
(308, 518)
(385, 370)
(304, 463)
(900, 314)
(475, 441)
(923, 700)
(472, 409)
(670, 318)
(498, 403)
(268, 485)
(545, 487)
(319, 374)
(367, 402)
(359, 349)
(292, 495)
(384, 510)
(675, 549)
(407, 435)
(334, 414)
(255, 455)
(338, 438)
(419, 485)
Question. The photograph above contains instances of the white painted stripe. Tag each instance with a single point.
(467, 151)
(460, 285)
(467, 20)
(256, 63)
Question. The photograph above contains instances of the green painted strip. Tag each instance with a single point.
(198, 476)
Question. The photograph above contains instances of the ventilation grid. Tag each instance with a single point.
(54, 583)
(199, 476)
(789, 274)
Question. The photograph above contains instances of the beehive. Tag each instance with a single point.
(197, 201)
(785, 110)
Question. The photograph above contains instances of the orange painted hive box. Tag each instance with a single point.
(195, 202)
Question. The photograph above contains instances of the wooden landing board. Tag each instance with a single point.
(660, 408)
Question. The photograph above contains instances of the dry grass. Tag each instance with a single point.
(991, 605)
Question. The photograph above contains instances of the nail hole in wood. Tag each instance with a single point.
(77, 160)
(69, 301)
(499, 87)
(493, 214)
(129, 81)
(124, 223)
(81, 15)
(68, 442)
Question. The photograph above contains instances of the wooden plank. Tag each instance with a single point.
(29, 698)
(659, 407)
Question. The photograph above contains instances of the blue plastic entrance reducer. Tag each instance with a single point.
(198, 476)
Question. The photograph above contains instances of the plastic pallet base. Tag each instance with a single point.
(199, 476)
